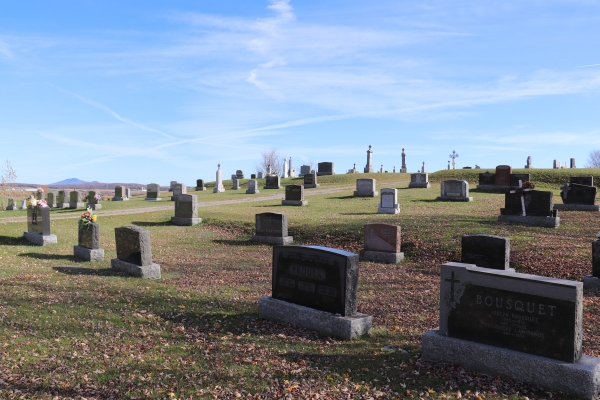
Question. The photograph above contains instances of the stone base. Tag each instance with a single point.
(62, 205)
(279, 240)
(442, 198)
(153, 199)
(10, 208)
(403, 170)
(380, 256)
(151, 271)
(272, 187)
(546, 222)
(495, 188)
(218, 189)
(185, 221)
(581, 379)
(366, 194)
(40, 240)
(321, 321)
(76, 205)
(388, 210)
(252, 191)
(199, 189)
(311, 185)
(419, 185)
(577, 207)
(591, 281)
(88, 254)
(94, 206)
(120, 199)
(299, 203)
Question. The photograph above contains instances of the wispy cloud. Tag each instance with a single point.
(585, 66)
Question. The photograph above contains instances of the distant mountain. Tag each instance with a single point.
(70, 181)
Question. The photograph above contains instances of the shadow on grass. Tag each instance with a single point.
(344, 197)
(149, 223)
(274, 205)
(87, 271)
(358, 213)
(48, 256)
(12, 241)
(237, 242)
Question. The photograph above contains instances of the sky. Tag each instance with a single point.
(155, 91)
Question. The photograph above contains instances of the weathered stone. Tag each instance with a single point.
(252, 187)
(455, 190)
(389, 201)
(310, 180)
(294, 196)
(89, 236)
(419, 180)
(153, 192)
(503, 175)
(186, 210)
(366, 188)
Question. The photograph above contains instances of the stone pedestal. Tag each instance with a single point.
(120, 199)
(94, 206)
(38, 239)
(200, 188)
(294, 203)
(381, 257)
(276, 240)
(151, 271)
(590, 281)
(388, 210)
(79, 204)
(185, 221)
(88, 254)
(546, 222)
(326, 323)
(311, 185)
(580, 379)
(153, 199)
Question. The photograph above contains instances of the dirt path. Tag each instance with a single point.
(278, 195)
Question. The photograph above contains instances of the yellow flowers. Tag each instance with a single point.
(94, 218)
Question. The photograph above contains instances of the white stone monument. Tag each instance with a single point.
(219, 181)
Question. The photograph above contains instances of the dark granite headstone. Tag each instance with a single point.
(503, 175)
(74, 196)
(62, 197)
(38, 220)
(272, 224)
(272, 182)
(133, 245)
(119, 191)
(579, 194)
(322, 278)
(487, 178)
(537, 203)
(51, 199)
(325, 168)
(91, 197)
(382, 237)
(310, 179)
(526, 313)
(294, 192)
(582, 180)
(486, 251)
(252, 176)
(89, 236)
(199, 183)
(596, 258)
(515, 178)
(239, 174)
(186, 206)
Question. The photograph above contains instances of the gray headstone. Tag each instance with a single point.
(486, 251)
(272, 224)
(260, 175)
(153, 191)
(382, 237)
(304, 169)
(133, 245)
(389, 201)
(179, 188)
(74, 197)
(235, 184)
(239, 174)
(455, 189)
(366, 188)
(186, 206)
(252, 187)
(89, 236)
(119, 191)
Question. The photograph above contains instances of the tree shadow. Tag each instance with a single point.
(48, 256)
(346, 197)
(149, 223)
(232, 242)
(88, 271)
(358, 213)
(274, 205)
(12, 241)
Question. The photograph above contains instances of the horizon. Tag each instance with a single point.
(119, 92)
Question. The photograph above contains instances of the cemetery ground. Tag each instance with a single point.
(71, 329)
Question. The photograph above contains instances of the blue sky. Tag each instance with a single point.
(154, 91)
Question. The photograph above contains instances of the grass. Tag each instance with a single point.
(70, 329)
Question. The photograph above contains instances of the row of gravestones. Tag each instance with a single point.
(74, 199)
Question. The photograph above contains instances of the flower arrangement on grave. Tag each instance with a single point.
(87, 219)
(40, 190)
(97, 197)
(525, 187)
(33, 202)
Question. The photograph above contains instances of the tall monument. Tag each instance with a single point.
(369, 166)
(219, 181)
(403, 169)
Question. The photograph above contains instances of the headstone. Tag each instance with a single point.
(519, 326)
(403, 169)
(578, 197)
(272, 182)
(11, 204)
(582, 180)
(369, 166)
(503, 175)
(260, 175)
(153, 192)
(23, 205)
(389, 201)
(455, 190)
(294, 196)
(310, 180)
(556, 164)
(382, 244)
(200, 185)
(93, 200)
(304, 169)
(171, 185)
(62, 199)
(486, 251)
(536, 204)
(252, 176)
(186, 210)
(316, 288)
(366, 188)
(219, 181)
(487, 179)
(75, 200)
(272, 228)
(134, 253)
(239, 174)
(515, 178)
(120, 194)
(419, 180)
(178, 188)
(38, 226)
(325, 168)
(593, 280)
(252, 187)
(235, 184)
(127, 193)
(88, 243)
(573, 163)
(50, 199)
(528, 165)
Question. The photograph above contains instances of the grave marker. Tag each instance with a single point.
(325, 168)
(134, 253)
(252, 187)
(486, 251)
(310, 180)
(120, 194)
(382, 244)
(419, 180)
(503, 175)
(75, 200)
(272, 182)
(186, 210)
(294, 196)
(272, 228)
(153, 192)
(389, 202)
(38, 225)
(200, 185)
(529, 207)
(219, 188)
(366, 188)
(455, 190)
(88, 243)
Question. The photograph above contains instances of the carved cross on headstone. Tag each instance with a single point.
(565, 188)
(452, 282)
(524, 214)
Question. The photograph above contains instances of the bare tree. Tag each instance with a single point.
(7, 178)
(593, 159)
(272, 158)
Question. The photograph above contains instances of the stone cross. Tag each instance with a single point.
(454, 156)
(452, 282)
(522, 197)
(565, 188)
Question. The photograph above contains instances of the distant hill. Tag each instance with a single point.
(70, 181)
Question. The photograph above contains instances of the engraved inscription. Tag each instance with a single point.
(307, 272)
(307, 287)
(287, 282)
(327, 291)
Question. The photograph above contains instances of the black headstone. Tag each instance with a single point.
(487, 178)
(325, 168)
(582, 180)
(294, 192)
(272, 182)
(487, 251)
(38, 220)
(515, 178)
(199, 182)
(272, 224)
(579, 194)
(310, 179)
(537, 203)
(596, 258)
(322, 278)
